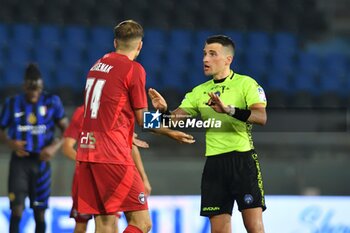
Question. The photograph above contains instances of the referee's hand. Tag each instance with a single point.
(216, 103)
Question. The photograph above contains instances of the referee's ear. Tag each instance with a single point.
(229, 60)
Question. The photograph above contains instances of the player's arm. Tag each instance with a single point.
(255, 114)
(17, 146)
(6, 117)
(138, 142)
(160, 103)
(139, 165)
(49, 151)
(174, 134)
(68, 147)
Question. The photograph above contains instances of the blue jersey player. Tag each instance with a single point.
(27, 125)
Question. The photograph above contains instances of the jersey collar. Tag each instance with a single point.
(230, 76)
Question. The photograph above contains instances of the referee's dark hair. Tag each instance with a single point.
(32, 73)
(223, 40)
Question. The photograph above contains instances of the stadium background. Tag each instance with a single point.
(299, 51)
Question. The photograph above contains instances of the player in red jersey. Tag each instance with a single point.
(114, 96)
(71, 136)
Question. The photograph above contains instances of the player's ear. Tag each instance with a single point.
(115, 43)
(139, 47)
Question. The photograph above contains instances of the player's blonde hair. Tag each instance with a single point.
(127, 33)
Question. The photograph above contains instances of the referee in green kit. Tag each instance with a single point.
(231, 172)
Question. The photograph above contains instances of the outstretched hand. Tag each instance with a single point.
(181, 136)
(157, 99)
(139, 143)
(215, 103)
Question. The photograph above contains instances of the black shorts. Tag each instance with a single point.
(29, 177)
(229, 177)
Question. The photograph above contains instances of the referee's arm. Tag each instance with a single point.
(255, 114)
(258, 114)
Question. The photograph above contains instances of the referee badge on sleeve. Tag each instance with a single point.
(261, 93)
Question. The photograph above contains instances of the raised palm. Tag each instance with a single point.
(157, 99)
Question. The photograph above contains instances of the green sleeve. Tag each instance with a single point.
(254, 93)
(190, 104)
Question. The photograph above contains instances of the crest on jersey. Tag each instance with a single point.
(142, 198)
(31, 119)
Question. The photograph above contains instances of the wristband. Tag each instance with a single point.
(167, 112)
(239, 114)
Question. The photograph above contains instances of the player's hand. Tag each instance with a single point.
(18, 147)
(49, 151)
(157, 99)
(138, 142)
(215, 103)
(181, 136)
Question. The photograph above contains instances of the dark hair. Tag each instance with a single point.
(221, 39)
(127, 30)
(32, 72)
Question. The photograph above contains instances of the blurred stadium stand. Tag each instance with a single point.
(297, 50)
(270, 35)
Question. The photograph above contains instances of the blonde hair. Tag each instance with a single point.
(127, 34)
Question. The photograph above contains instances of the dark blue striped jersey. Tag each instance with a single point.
(33, 123)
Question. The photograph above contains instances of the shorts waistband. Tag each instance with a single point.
(232, 153)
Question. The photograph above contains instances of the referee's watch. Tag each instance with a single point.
(232, 110)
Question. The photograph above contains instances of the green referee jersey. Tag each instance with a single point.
(238, 90)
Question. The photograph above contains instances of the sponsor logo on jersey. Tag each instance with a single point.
(34, 129)
(87, 140)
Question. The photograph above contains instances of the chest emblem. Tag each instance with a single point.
(32, 119)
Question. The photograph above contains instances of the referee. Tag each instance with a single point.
(30, 120)
(231, 172)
